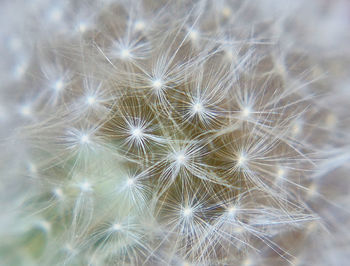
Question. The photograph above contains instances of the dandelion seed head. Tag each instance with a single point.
(84, 139)
(187, 212)
(232, 210)
(130, 182)
(58, 85)
(180, 158)
(58, 192)
(137, 132)
(242, 160)
(246, 112)
(125, 53)
(157, 84)
(139, 25)
(281, 173)
(85, 186)
(193, 35)
(197, 108)
(116, 227)
(90, 100)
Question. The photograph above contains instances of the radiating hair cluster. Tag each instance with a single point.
(175, 133)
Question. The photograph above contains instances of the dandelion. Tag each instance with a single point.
(174, 133)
